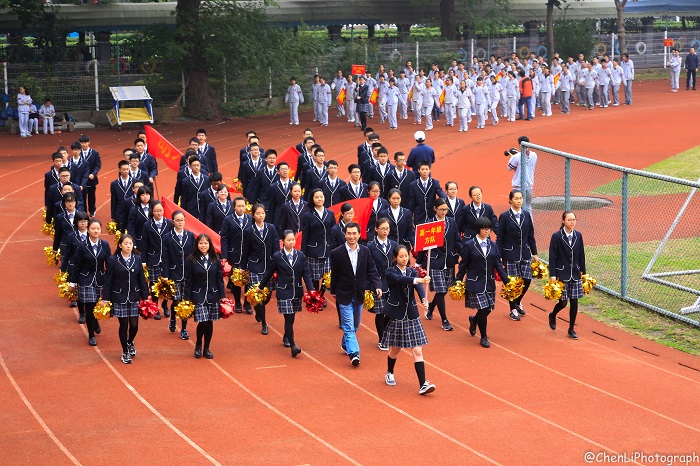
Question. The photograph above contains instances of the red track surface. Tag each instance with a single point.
(535, 397)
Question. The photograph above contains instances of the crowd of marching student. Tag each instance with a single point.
(507, 87)
(282, 221)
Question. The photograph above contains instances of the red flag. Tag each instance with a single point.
(373, 97)
(161, 148)
(430, 235)
(291, 156)
(191, 223)
(363, 211)
(297, 241)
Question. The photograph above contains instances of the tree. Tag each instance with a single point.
(454, 12)
(621, 34)
(550, 25)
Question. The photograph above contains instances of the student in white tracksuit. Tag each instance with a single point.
(546, 89)
(350, 90)
(591, 78)
(339, 82)
(429, 96)
(604, 76)
(554, 70)
(495, 95)
(314, 96)
(504, 97)
(47, 112)
(392, 103)
(566, 86)
(481, 100)
(383, 88)
(618, 77)
(403, 85)
(628, 70)
(294, 97)
(24, 103)
(675, 62)
(450, 101)
(512, 94)
(417, 100)
(371, 86)
(324, 101)
(464, 104)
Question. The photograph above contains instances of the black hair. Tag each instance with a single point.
(204, 131)
(352, 225)
(397, 154)
(257, 206)
(143, 190)
(345, 207)
(447, 185)
(134, 155)
(56, 155)
(382, 150)
(137, 140)
(80, 216)
(216, 176)
(395, 252)
(522, 139)
(211, 252)
(122, 238)
(331, 162)
(121, 163)
(380, 221)
(373, 184)
(84, 138)
(513, 193)
(424, 162)
(75, 145)
(481, 222)
(279, 165)
(353, 166)
(238, 198)
(285, 233)
(194, 140)
(393, 191)
(221, 187)
(177, 212)
(70, 196)
(313, 192)
(471, 189)
(193, 159)
(270, 152)
(439, 201)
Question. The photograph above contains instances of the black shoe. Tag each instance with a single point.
(239, 309)
(485, 342)
(552, 321)
(81, 319)
(198, 350)
(285, 342)
(521, 311)
(355, 359)
(264, 329)
(296, 351)
(132, 349)
(73, 304)
(207, 354)
(472, 326)
(171, 326)
(248, 309)
(572, 334)
(166, 311)
(92, 341)
(257, 317)
(429, 314)
(184, 335)
(446, 325)
(98, 329)
(157, 316)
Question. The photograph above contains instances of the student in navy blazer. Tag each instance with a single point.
(381, 249)
(567, 262)
(400, 178)
(192, 186)
(94, 163)
(470, 212)
(207, 150)
(248, 173)
(219, 209)
(51, 176)
(209, 195)
(422, 194)
(454, 203)
(316, 174)
(516, 240)
(125, 285)
(139, 215)
(232, 245)
(347, 213)
(177, 246)
(376, 173)
(332, 184)
(204, 286)
(279, 195)
(154, 232)
(380, 207)
(73, 241)
(354, 189)
(316, 226)
(292, 268)
(87, 270)
(55, 194)
(65, 223)
(147, 162)
(403, 231)
(480, 260)
(293, 211)
(268, 176)
(260, 243)
(183, 173)
(77, 166)
(121, 193)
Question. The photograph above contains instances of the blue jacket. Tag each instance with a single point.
(420, 153)
(402, 231)
(204, 285)
(289, 276)
(125, 284)
(401, 301)
(233, 238)
(316, 233)
(479, 269)
(566, 261)
(382, 259)
(516, 241)
(152, 241)
(176, 253)
(421, 200)
(257, 250)
(86, 268)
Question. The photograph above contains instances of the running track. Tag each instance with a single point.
(535, 397)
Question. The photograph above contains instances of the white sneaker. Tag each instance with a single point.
(426, 388)
(383, 348)
(389, 378)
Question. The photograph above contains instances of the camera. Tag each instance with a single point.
(510, 152)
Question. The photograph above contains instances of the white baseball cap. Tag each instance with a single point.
(419, 136)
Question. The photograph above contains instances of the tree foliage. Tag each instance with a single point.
(574, 37)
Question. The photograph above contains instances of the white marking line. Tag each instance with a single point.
(27, 240)
(271, 367)
(38, 418)
(395, 408)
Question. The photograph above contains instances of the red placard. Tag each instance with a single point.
(430, 235)
(668, 42)
(359, 69)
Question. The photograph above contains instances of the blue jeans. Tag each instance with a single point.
(525, 105)
(350, 315)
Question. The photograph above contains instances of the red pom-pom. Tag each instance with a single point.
(498, 277)
(226, 308)
(421, 271)
(148, 308)
(313, 301)
(274, 277)
(226, 267)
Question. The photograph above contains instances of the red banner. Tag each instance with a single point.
(341, 97)
(291, 156)
(161, 148)
(430, 235)
(359, 69)
(191, 223)
(668, 42)
(363, 211)
(374, 96)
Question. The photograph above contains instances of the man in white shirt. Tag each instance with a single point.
(515, 165)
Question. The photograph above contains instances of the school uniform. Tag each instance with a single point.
(248, 174)
(468, 215)
(138, 216)
(205, 165)
(125, 284)
(190, 200)
(380, 207)
(316, 240)
(338, 234)
(208, 152)
(364, 153)
(73, 240)
(152, 246)
(401, 181)
(403, 85)
(352, 192)
(64, 227)
(404, 329)
(94, 163)
(265, 179)
(516, 241)
(290, 273)
(142, 176)
(479, 263)
(304, 162)
(148, 165)
(422, 196)
(217, 213)
(204, 286)
(402, 229)
(121, 193)
(258, 249)
(56, 198)
(78, 171)
(392, 101)
(382, 254)
(292, 214)
(244, 154)
(232, 239)
(176, 249)
(294, 97)
(378, 173)
(443, 259)
(314, 178)
(454, 208)
(567, 261)
(50, 179)
(279, 195)
(332, 190)
(88, 268)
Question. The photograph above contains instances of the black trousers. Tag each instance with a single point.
(691, 74)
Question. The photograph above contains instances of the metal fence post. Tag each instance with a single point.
(625, 221)
(567, 183)
(269, 92)
(225, 83)
(514, 43)
(417, 56)
(471, 50)
(4, 76)
(523, 176)
(184, 103)
(366, 57)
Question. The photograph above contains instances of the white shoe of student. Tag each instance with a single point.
(426, 388)
(389, 378)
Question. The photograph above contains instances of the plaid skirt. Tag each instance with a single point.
(180, 290)
(125, 310)
(379, 304)
(89, 293)
(364, 108)
(481, 300)
(519, 269)
(441, 279)
(573, 289)
(154, 273)
(255, 278)
(289, 306)
(404, 333)
(205, 312)
(319, 266)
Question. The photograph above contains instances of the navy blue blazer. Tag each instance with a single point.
(94, 163)
(78, 171)
(479, 269)
(454, 213)
(338, 234)
(137, 219)
(149, 165)
(189, 196)
(346, 285)
(278, 197)
(516, 241)
(402, 183)
(291, 217)
(232, 238)
(304, 162)
(209, 153)
(467, 215)
(403, 230)
(364, 153)
(121, 196)
(316, 232)
(205, 164)
(55, 197)
(204, 285)
(421, 201)
(50, 178)
(257, 250)
(401, 301)
(206, 197)
(379, 212)
(68, 254)
(566, 261)
(142, 176)
(348, 194)
(332, 194)
(176, 253)
(376, 175)
(248, 175)
(88, 269)
(217, 213)
(264, 183)
(153, 239)
(63, 230)
(244, 154)
(445, 256)
(313, 180)
(382, 259)
(125, 283)
(289, 276)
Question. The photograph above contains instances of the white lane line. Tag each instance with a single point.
(271, 367)
(38, 418)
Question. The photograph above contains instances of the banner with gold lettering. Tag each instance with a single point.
(161, 148)
(430, 235)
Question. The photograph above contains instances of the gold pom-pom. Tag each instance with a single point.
(248, 208)
(369, 300)
(237, 186)
(513, 289)
(112, 228)
(256, 296)
(48, 229)
(184, 309)
(52, 257)
(239, 277)
(60, 277)
(145, 271)
(539, 269)
(103, 310)
(65, 291)
(588, 283)
(164, 288)
(457, 291)
(43, 214)
(553, 291)
(117, 237)
(326, 280)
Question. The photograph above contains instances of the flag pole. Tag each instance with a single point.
(427, 288)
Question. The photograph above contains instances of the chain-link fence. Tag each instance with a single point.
(640, 229)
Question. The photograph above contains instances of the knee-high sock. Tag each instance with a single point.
(481, 321)
(200, 332)
(133, 328)
(88, 310)
(439, 301)
(208, 332)
(561, 304)
(380, 324)
(519, 299)
(123, 329)
(390, 363)
(573, 311)
(289, 328)
(420, 372)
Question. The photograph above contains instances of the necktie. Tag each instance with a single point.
(179, 238)
(94, 249)
(517, 218)
(82, 238)
(240, 221)
(159, 225)
(425, 185)
(260, 232)
(386, 247)
(272, 173)
(70, 218)
(290, 257)
(297, 207)
(357, 191)
(569, 238)
(284, 187)
(145, 211)
(206, 263)
(123, 184)
(483, 247)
